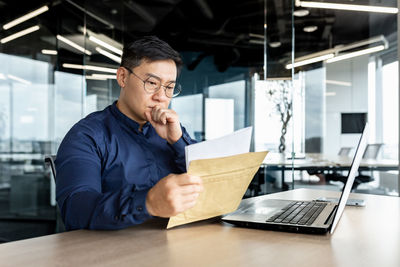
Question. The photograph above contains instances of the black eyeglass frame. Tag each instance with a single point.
(177, 86)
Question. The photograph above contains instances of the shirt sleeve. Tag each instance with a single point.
(79, 189)
(179, 149)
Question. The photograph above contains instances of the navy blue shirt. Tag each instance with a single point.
(105, 167)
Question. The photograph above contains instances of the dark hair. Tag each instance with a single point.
(149, 48)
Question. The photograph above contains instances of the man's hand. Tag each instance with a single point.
(166, 123)
(173, 194)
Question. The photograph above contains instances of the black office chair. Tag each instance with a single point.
(49, 160)
(344, 151)
(371, 152)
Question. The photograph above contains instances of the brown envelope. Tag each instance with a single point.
(225, 181)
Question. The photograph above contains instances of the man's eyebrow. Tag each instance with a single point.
(155, 76)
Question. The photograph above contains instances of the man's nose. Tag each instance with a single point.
(160, 94)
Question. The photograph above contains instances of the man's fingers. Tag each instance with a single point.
(191, 189)
(190, 204)
(187, 179)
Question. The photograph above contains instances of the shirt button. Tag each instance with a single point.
(139, 208)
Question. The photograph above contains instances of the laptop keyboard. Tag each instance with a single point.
(298, 212)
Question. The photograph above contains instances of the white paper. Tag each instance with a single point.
(229, 145)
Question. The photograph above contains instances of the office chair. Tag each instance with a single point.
(345, 151)
(49, 160)
(371, 152)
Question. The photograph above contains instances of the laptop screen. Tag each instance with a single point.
(362, 144)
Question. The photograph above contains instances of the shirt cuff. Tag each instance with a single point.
(179, 145)
(139, 209)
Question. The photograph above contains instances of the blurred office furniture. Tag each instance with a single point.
(331, 175)
(334, 175)
(28, 192)
(313, 145)
(371, 153)
(49, 160)
(345, 151)
(317, 162)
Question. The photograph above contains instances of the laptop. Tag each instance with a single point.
(314, 217)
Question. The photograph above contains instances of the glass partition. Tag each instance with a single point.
(61, 66)
(350, 73)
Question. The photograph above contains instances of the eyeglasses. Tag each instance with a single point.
(152, 84)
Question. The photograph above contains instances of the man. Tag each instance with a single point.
(121, 166)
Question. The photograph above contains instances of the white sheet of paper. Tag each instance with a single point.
(235, 143)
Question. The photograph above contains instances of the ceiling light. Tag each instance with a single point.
(108, 54)
(104, 76)
(25, 17)
(18, 79)
(74, 45)
(330, 93)
(275, 44)
(91, 77)
(49, 52)
(301, 12)
(89, 67)
(365, 8)
(357, 53)
(105, 45)
(310, 28)
(310, 61)
(83, 9)
(2, 76)
(341, 52)
(348, 84)
(19, 34)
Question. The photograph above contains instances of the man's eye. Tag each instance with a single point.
(152, 83)
(170, 88)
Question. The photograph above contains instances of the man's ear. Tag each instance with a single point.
(122, 76)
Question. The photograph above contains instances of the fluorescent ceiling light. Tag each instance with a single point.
(348, 84)
(18, 79)
(275, 44)
(301, 13)
(105, 45)
(309, 61)
(357, 53)
(108, 54)
(89, 67)
(310, 28)
(104, 76)
(91, 77)
(2, 76)
(330, 93)
(25, 17)
(365, 8)
(49, 52)
(19, 34)
(74, 45)
(110, 25)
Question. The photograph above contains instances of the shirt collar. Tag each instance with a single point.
(128, 121)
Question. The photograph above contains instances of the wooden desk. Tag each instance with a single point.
(361, 239)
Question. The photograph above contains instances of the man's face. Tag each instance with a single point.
(134, 101)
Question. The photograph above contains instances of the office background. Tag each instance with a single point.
(59, 65)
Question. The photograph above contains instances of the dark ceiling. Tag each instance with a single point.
(229, 30)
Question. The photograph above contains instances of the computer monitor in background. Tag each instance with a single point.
(353, 122)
